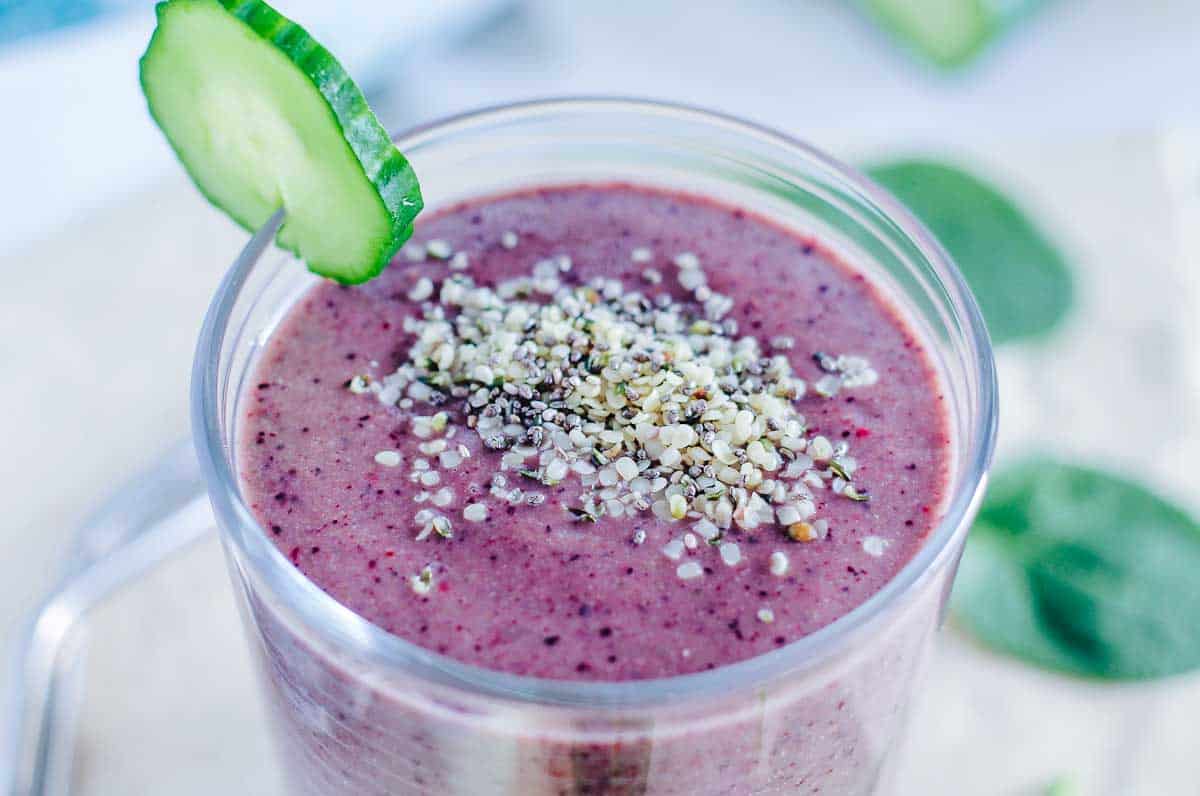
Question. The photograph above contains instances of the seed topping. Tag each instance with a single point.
(388, 458)
(875, 545)
(422, 582)
(649, 404)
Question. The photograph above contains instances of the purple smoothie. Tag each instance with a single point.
(530, 590)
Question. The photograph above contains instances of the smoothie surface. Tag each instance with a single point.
(524, 580)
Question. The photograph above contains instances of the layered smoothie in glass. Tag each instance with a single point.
(643, 468)
(600, 432)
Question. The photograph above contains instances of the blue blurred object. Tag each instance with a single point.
(20, 18)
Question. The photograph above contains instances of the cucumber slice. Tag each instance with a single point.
(949, 32)
(263, 117)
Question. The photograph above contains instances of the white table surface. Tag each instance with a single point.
(102, 308)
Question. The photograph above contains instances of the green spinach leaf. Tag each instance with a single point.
(1084, 572)
(1020, 279)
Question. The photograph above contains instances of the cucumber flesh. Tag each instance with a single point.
(263, 117)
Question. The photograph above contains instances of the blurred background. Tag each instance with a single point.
(1085, 114)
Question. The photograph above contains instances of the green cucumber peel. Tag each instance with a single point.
(262, 117)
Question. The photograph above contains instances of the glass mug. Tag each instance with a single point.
(356, 710)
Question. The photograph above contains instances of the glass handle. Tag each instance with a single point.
(155, 515)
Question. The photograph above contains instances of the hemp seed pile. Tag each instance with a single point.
(652, 404)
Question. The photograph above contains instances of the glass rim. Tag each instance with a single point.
(341, 627)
